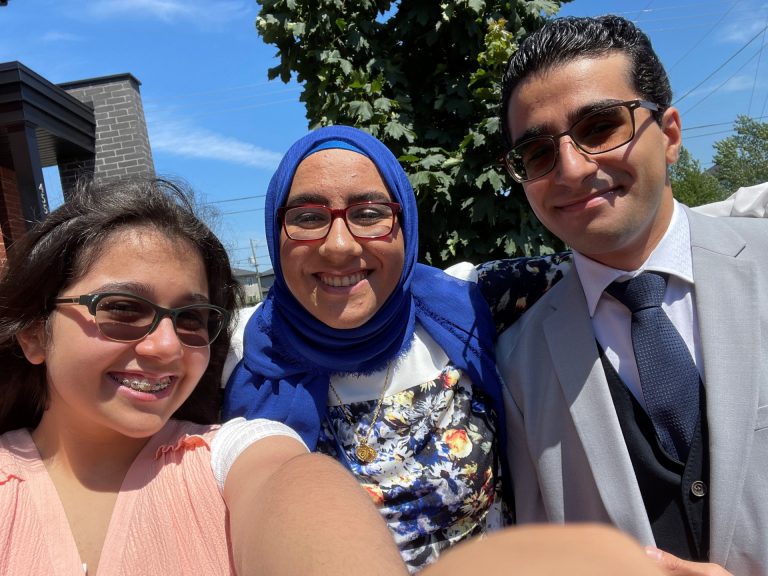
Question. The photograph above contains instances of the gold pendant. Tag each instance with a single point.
(365, 453)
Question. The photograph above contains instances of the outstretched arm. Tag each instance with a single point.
(542, 550)
(673, 566)
(292, 512)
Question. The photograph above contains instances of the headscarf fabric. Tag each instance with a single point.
(289, 355)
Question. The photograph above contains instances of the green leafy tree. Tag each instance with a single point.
(424, 77)
(691, 185)
(742, 159)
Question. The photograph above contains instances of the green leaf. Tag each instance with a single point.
(361, 110)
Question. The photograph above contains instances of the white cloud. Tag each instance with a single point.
(740, 83)
(181, 139)
(741, 32)
(171, 10)
(53, 37)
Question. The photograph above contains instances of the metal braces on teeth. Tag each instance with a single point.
(145, 385)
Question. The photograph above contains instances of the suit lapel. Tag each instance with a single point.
(727, 296)
(573, 352)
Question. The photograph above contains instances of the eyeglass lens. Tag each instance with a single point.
(367, 220)
(127, 319)
(597, 132)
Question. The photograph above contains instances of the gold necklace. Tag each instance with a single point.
(364, 452)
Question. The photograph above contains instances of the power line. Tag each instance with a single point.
(757, 70)
(709, 134)
(721, 66)
(217, 110)
(718, 124)
(762, 111)
(725, 81)
(237, 199)
(242, 211)
(707, 33)
(218, 101)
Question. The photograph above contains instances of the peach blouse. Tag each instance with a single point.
(169, 517)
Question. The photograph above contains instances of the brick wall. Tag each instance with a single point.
(122, 142)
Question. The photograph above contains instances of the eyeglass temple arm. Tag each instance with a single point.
(75, 300)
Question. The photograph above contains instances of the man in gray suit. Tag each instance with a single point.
(590, 132)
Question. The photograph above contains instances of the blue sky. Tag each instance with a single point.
(216, 121)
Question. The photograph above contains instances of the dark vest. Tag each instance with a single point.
(675, 494)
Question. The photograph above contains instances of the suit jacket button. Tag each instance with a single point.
(698, 488)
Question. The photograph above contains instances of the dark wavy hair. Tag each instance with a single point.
(63, 247)
(566, 39)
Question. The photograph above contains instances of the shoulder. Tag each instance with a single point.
(463, 271)
(18, 455)
(749, 201)
(179, 437)
(178, 461)
(727, 233)
(526, 337)
(235, 353)
(702, 220)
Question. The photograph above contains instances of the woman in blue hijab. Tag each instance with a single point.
(383, 363)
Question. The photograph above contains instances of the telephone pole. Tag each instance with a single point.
(256, 266)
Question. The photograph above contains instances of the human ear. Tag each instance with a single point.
(32, 341)
(673, 132)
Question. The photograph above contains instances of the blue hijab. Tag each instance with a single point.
(289, 355)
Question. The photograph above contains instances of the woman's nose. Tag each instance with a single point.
(340, 240)
(162, 342)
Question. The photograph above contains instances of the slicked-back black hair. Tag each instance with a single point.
(563, 40)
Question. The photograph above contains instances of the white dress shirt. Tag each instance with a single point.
(611, 320)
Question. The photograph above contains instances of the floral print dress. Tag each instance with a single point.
(435, 478)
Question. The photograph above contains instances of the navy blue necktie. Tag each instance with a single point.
(668, 375)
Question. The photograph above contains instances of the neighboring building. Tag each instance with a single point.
(90, 128)
(256, 284)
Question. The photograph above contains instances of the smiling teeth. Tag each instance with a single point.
(338, 281)
(145, 385)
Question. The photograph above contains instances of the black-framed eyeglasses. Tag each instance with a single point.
(598, 132)
(129, 318)
(363, 219)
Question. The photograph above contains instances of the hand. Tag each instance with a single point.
(674, 566)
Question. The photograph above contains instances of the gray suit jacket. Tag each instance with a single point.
(567, 453)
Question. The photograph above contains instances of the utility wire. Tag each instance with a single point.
(167, 102)
(718, 124)
(700, 40)
(720, 67)
(242, 211)
(237, 199)
(725, 81)
(709, 134)
(757, 70)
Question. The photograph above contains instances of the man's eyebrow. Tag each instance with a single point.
(579, 113)
(573, 117)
